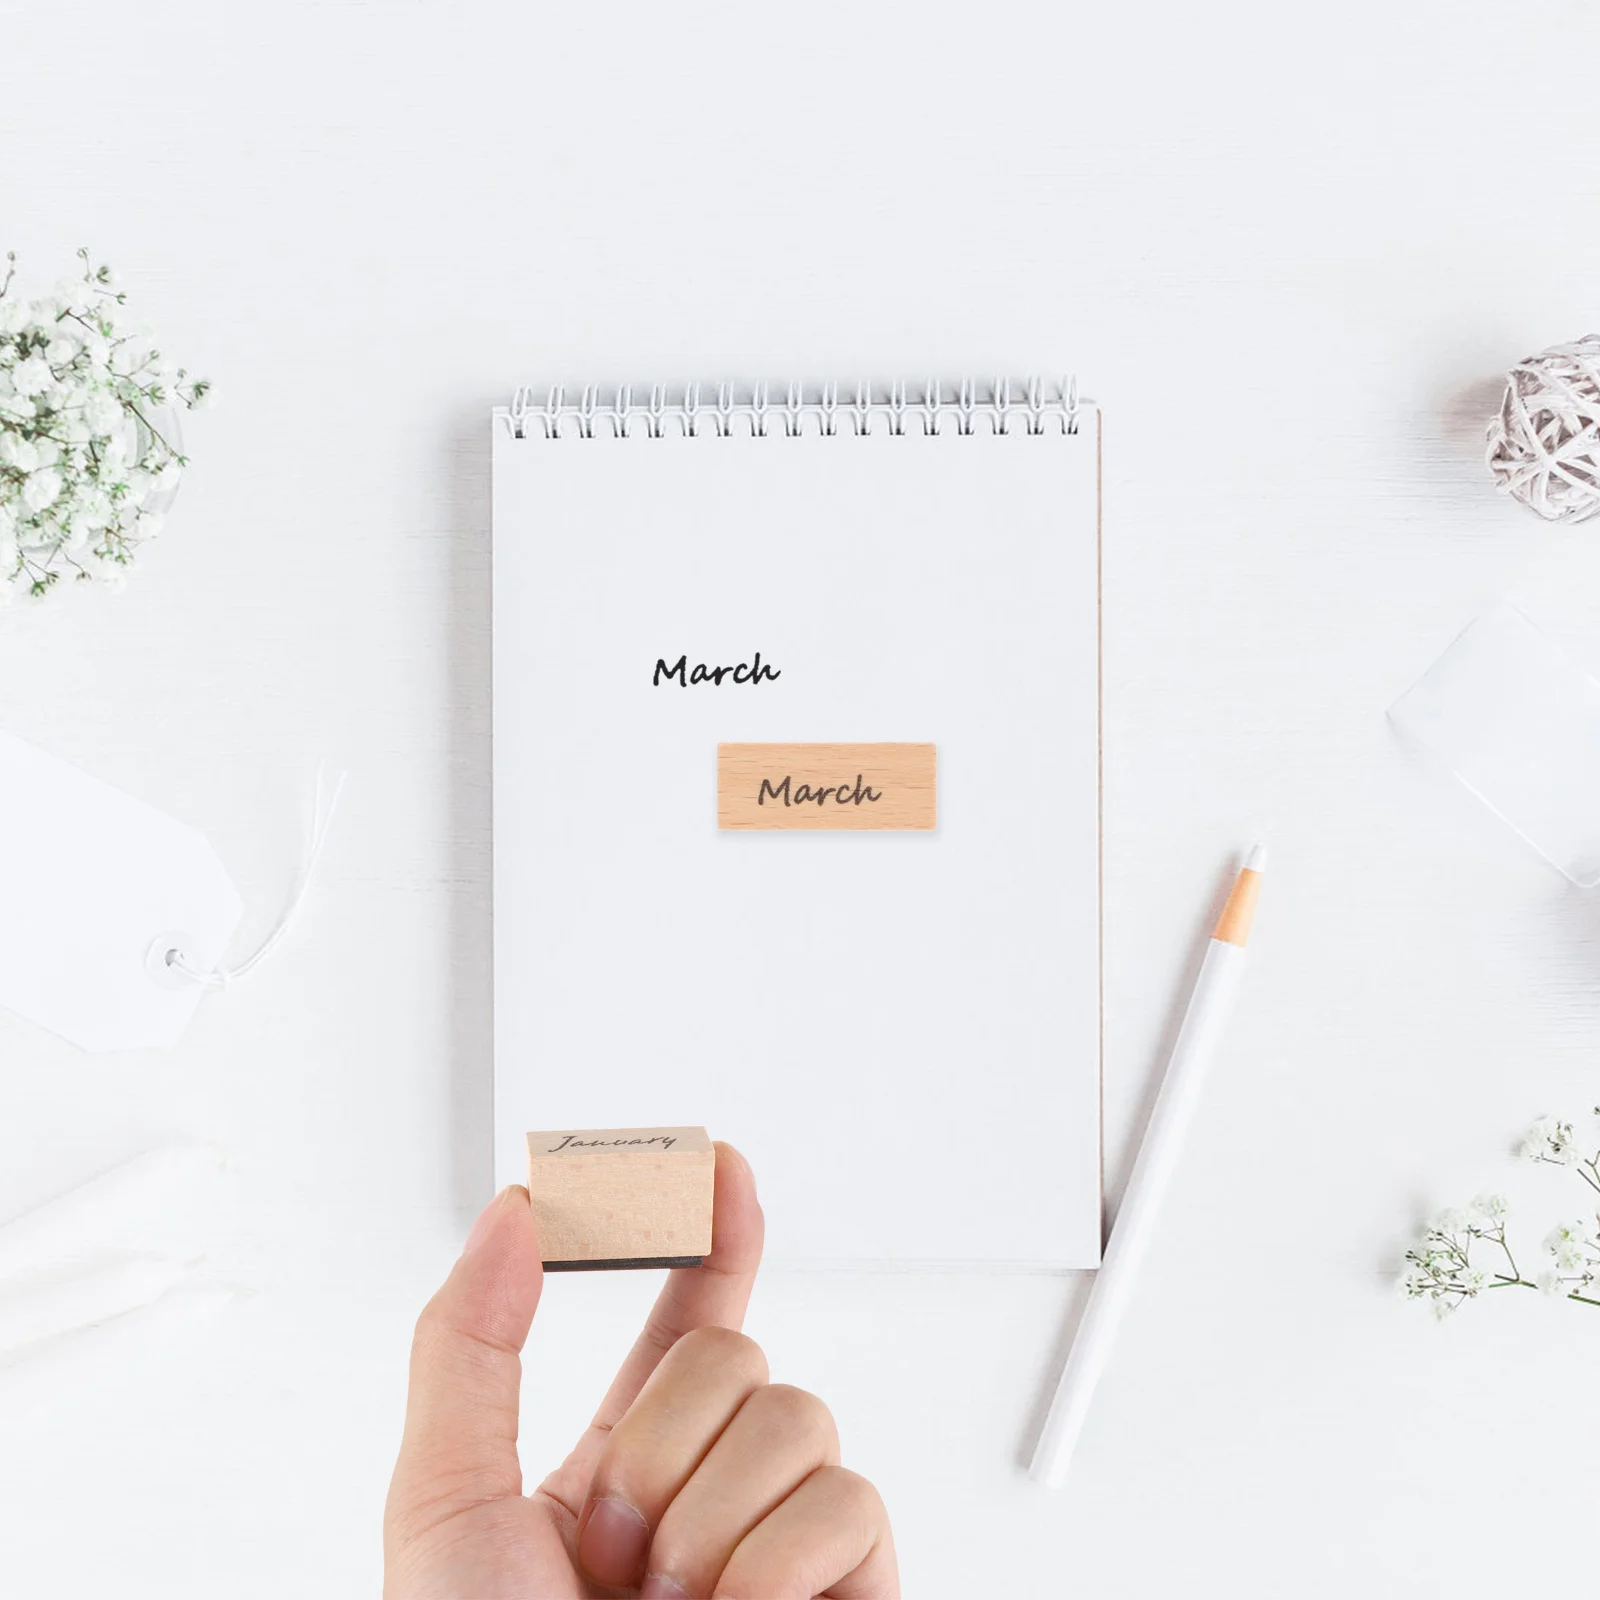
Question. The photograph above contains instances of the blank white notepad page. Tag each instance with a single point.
(900, 1030)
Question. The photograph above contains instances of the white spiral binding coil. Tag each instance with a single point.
(1003, 406)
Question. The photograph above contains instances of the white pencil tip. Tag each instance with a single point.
(1256, 861)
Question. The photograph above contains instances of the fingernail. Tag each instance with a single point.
(614, 1543)
(658, 1588)
(483, 1224)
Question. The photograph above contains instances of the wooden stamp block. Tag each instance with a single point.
(887, 786)
(621, 1197)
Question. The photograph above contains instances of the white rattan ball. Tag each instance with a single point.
(1544, 447)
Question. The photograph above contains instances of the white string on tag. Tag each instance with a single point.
(173, 958)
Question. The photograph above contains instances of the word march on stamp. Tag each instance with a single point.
(838, 786)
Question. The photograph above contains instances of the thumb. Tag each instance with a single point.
(459, 1447)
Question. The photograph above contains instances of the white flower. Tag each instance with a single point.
(41, 488)
(42, 534)
(102, 412)
(1551, 1139)
(15, 451)
(1474, 1280)
(32, 376)
(1492, 1208)
(96, 509)
(71, 372)
(1550, 1284)
(1567, 1244)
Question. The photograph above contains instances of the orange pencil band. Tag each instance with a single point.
(1233, 926)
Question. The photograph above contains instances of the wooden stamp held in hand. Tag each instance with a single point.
(621, 1197)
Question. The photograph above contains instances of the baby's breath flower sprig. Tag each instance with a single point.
(84, 453)
(1441, 1268)
(1554, 1143)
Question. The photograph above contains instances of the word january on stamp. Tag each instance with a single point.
(621, 1197)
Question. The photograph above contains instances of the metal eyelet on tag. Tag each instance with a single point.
(162, 960)
(75, 929)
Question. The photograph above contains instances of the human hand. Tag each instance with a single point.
(697, 1477)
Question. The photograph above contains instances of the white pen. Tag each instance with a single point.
(1213, 998)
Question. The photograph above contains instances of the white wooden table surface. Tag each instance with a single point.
(1289, 251)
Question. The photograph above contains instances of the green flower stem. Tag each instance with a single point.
(1522, 1283)
(154, 434)
(1500, 1239)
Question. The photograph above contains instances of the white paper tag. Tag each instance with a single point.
(96, 888)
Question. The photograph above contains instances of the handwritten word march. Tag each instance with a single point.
(807, 794)
(685, 676)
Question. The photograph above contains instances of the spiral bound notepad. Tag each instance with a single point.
(796, 800)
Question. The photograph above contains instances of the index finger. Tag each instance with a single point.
(714, 1294)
